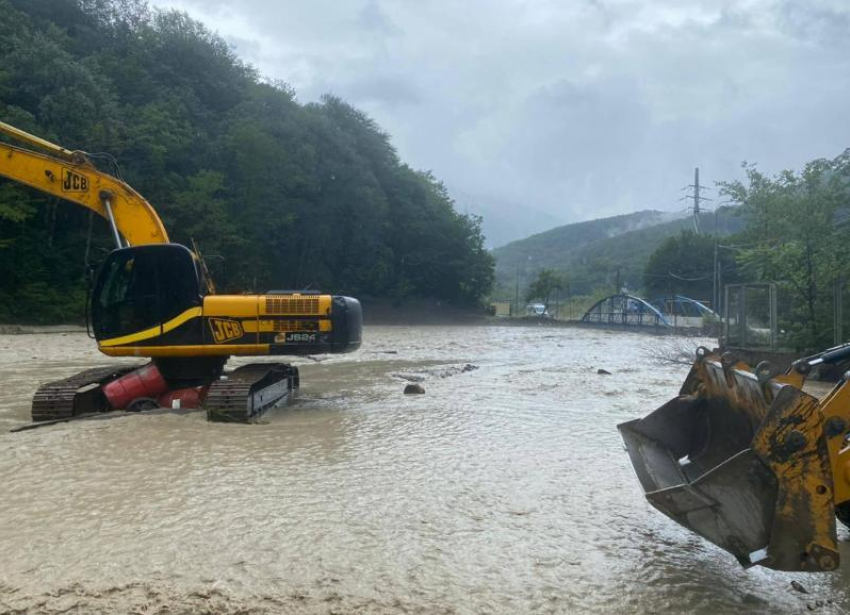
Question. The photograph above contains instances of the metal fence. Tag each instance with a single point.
(771, 317)
(750, 317)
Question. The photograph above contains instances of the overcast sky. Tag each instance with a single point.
(577, 108)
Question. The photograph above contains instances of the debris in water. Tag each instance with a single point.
(438, 372)
(799, 587)
(409, 377)
(414, 389)
(603, 372)
(752, 599)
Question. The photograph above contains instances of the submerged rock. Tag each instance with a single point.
(603, 372)
(414, 389)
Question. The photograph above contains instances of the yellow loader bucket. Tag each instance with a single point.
(740, 458)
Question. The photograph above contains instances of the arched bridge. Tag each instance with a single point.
(680, 305)
(625, 310)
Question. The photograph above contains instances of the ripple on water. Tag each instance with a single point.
(503, 489)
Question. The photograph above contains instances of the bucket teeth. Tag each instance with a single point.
(742, 463)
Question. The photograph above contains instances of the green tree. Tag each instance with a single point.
(289, 195)
(797, 234)
(547, 283)
(684, 265)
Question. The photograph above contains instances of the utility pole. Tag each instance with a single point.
(697, 198)
(717, 283)
(715, 301)
(619, 287)
(516, 298)
(672, 300)
(838, 311)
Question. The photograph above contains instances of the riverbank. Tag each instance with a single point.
(421, 312)
(375, 312)
(13, 329)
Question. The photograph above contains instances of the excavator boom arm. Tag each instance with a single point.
(71, 176)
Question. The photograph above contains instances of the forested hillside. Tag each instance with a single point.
(593, 255)
(551, 248)
(279, 194)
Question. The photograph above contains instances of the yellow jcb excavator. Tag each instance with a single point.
(152, 298)
(749, 461)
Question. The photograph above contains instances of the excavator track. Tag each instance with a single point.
(243, 395)
(76, 395)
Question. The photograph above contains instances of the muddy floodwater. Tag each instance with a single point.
(502, 489)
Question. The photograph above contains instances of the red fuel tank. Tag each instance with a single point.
(189, 398)
(143, 382)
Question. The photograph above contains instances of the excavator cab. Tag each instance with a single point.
(142, 287)
(745, 458)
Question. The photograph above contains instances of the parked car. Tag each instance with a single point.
(537, 309)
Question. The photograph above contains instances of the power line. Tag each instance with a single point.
(684, 279)
(676, 276)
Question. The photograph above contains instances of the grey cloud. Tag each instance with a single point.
(372, 17)
(824, 23)
(579, 109)
(386, 89)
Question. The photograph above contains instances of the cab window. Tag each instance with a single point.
(142, 287)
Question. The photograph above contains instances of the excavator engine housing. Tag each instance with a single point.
(151, 301)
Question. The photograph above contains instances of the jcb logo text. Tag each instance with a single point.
(224, 330)
(74, 182)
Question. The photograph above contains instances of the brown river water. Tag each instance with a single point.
(503, 489)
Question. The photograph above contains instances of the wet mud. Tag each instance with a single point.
(502, 489)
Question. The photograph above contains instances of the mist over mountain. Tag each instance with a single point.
(503, 220)
(553, 247)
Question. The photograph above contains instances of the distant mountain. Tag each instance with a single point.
(593, 253)
(504, 221)
(552, 248)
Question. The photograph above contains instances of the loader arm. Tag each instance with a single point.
(71, 175)
(835, 414)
